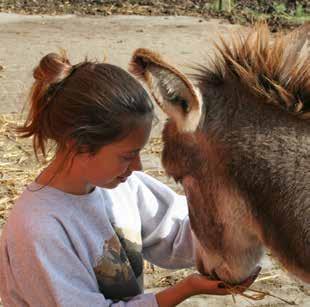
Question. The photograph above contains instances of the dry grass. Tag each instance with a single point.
(18, 165)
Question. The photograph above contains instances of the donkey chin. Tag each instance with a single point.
(230, 267)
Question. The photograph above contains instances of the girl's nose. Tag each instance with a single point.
(136, 164)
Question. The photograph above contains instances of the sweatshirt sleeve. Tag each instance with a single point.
(166, 231)
(45, 271)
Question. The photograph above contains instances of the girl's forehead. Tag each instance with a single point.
(137, 138)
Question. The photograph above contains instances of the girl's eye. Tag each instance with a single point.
(129, 157)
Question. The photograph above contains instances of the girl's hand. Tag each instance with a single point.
(202, 285)
(198, 284)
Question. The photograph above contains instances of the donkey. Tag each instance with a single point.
(238, 139)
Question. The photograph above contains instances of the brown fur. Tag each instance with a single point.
(265, 68)
(245, 168)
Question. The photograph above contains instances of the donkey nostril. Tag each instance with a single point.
(214, 275)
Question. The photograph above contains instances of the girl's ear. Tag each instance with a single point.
(172, 91)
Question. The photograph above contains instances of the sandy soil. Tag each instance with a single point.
(185, 40)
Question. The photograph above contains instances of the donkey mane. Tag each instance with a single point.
(274, 70)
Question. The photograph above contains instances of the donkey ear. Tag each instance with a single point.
(299, 46)
(172, 91)
(299, 39)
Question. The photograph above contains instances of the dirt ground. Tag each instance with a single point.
(185, 40)
(278, 14)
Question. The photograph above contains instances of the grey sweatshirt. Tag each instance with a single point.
(59, 249)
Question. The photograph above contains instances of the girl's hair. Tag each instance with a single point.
(92, 104)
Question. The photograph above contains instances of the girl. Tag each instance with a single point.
(76, 236)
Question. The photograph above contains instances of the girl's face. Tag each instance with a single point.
(113, 163)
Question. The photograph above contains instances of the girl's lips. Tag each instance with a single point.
(122, 179)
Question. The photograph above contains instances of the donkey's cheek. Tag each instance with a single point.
(205, 261)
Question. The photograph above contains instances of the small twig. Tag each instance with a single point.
(267, 277)
(256, 297)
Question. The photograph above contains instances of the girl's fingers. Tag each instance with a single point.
(215, 287)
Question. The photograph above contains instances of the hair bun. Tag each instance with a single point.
(52, 68)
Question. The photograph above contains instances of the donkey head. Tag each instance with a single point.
(187, 150)
(229, 240)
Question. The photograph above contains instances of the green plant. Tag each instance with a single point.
(225, 5)
(280, 8)
(299, 11)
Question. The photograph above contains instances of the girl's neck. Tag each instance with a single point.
(63, 177)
